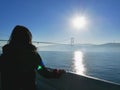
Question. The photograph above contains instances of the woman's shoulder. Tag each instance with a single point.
(6, 48)
(25, 48)
(32, 46)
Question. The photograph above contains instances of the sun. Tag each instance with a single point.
(79, 22)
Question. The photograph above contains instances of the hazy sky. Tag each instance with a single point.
(49, 20)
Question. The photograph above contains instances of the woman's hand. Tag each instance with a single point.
(58, 72)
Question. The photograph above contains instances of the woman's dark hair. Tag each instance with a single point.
(20, 35)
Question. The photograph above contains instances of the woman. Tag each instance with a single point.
(20, 60)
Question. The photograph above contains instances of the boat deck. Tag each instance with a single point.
(70, 81)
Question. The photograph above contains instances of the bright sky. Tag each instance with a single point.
(50, 20)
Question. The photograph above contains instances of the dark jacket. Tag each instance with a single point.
(17, 66)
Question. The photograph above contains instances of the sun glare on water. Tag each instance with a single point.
(78, 63)
(79, 22)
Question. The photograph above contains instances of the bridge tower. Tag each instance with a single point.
(72, 41)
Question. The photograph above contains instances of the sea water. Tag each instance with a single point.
(102, 65)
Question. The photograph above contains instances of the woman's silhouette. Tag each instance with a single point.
(20, 60)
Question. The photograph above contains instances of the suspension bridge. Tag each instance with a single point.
(40, 43)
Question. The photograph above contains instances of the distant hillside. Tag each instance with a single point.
(110, 45)
(84, 47)
(87, 47)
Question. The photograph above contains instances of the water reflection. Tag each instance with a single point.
(78, 62)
